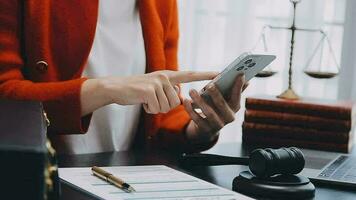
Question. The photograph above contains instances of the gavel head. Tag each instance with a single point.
(269, 162)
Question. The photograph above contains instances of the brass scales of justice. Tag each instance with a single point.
(289, 93)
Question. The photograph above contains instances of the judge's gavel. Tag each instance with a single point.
(262, 162)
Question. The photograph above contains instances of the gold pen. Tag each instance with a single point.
(106, 176)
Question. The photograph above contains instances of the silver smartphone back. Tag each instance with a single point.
(248, 64)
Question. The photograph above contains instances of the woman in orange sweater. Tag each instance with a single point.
(110, 57)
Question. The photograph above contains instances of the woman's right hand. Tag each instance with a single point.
(157, 91)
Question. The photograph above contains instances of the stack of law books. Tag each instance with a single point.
(306, 123)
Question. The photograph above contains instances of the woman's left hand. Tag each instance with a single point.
(204, 126)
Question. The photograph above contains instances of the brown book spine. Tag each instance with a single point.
(297, 120)
(265, 142)
(294, 133)
(297, 107)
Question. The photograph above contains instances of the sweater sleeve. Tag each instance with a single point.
(171, 126)
(61, 99)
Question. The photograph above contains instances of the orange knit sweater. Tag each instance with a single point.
(44, 46)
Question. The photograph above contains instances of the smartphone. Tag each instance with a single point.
(247, 63)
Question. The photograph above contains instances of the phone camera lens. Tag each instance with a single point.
(240, 68)
(248, 61)
(251, 65)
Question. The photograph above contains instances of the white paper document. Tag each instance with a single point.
(153, 182)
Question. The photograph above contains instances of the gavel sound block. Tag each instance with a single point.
(272, 172)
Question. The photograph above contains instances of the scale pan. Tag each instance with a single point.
(265, 73)
(321, 75)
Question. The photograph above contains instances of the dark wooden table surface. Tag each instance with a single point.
(220, 175)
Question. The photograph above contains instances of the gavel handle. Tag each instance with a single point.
(200, 159)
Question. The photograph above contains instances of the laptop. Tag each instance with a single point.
(329, 167)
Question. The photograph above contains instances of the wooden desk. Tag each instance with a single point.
(220, 175)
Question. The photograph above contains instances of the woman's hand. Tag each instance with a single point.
(204, 126)
(157, 91)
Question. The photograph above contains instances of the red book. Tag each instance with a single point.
(297, 120)
(295, 133)
(307, 106)
(264, 142)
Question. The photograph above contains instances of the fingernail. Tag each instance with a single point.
(210, 86)
(242, 77)
(191, 92)
(195, 92)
